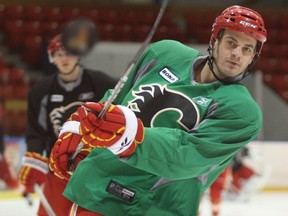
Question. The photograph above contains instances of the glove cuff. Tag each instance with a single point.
(130, 132)
(36, 164)
(71, 127)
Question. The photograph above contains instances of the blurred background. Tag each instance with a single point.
(26, 26)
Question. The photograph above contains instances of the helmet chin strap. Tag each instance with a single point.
(228, 80)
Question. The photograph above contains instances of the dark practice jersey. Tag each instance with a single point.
(192, 132)
(52, 101)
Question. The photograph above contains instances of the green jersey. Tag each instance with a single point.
(192, 131)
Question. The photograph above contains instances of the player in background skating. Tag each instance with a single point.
(215, 192)
(239, 181)
(249, 175)
(216, 189)
(51, 101)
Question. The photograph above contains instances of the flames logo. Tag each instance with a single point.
(156, 104)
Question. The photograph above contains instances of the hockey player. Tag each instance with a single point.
(240, 170)
(216, 189)
(249, 175)
(196, 114)
(51, 102)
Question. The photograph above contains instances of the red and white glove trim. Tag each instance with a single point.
(35, 164)
(131, 127)
(70, 127)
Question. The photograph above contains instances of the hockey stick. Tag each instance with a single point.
(124, 78)
(44, 201)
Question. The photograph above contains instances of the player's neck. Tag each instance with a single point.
(203, 74)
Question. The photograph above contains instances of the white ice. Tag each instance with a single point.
(261, 204)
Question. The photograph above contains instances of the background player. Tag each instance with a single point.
(51, 101)
(216, 189)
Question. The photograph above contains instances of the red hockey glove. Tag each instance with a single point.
(61, 160)
(61, 154)
(119, 130)
(101, 132)
(33, 171)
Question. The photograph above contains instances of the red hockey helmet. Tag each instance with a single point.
(55, 45)
(240, 19)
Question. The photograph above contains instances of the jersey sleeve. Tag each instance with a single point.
(36, 131)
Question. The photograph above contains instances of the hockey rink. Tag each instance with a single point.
(266, 203)
(261, 204)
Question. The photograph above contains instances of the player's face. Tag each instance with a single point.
(64, 61)
(233, 53)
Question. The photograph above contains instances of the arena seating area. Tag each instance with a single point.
(14, 88)
(27, 29)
